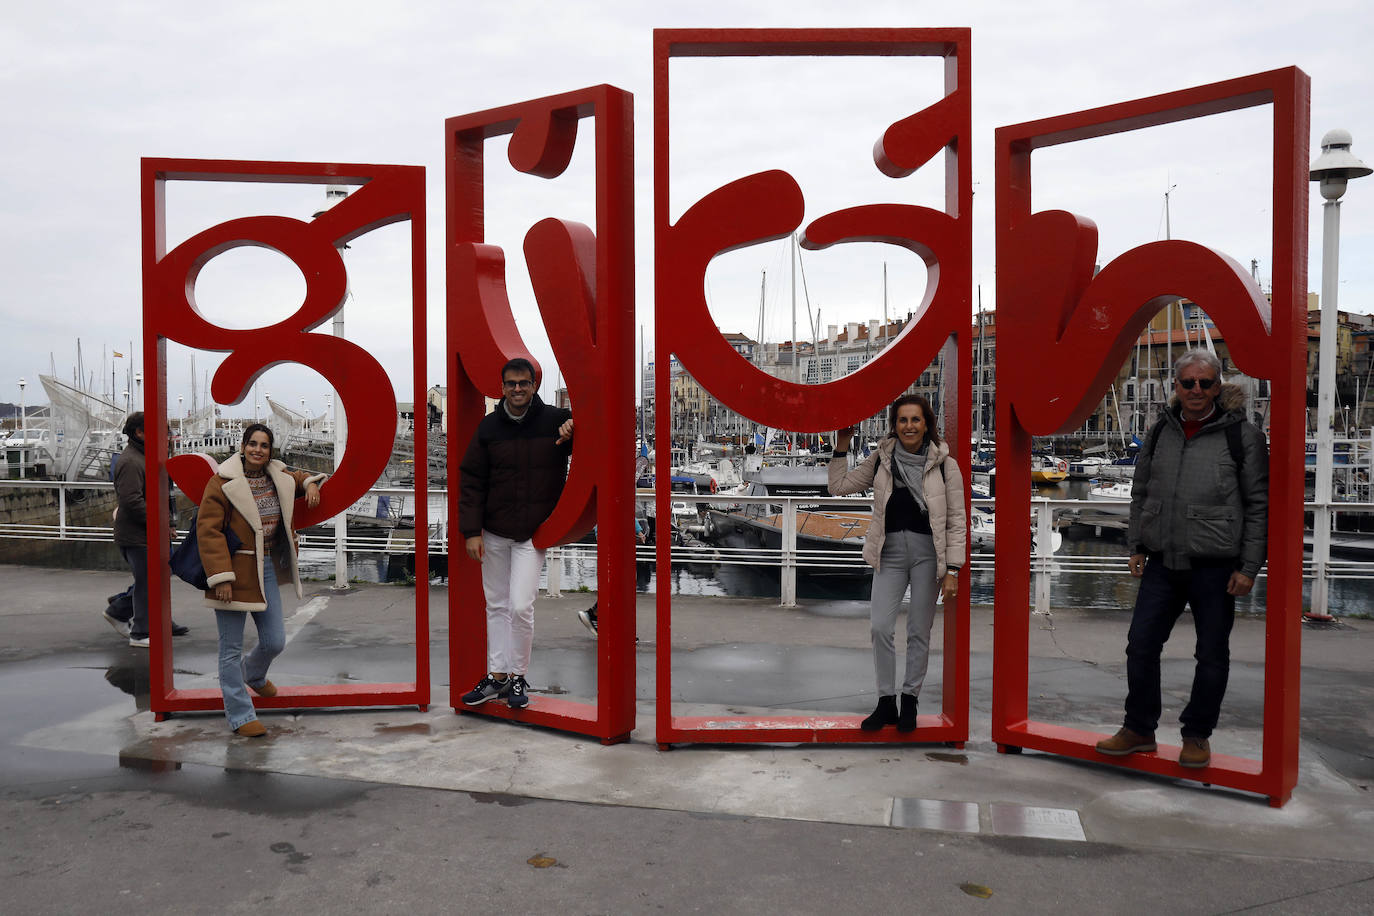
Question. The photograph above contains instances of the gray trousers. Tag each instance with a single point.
(908, 558)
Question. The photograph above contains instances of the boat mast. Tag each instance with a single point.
(758, 347)
(796, 361)
(977, 372)
(1168, 315)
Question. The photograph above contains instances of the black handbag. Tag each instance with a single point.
(185, 561)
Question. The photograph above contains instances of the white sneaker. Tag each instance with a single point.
(139, 643)
(120, 626)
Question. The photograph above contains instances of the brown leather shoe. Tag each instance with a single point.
(268, 689)
(253, 729)
(1125, 742)
(1195, 753)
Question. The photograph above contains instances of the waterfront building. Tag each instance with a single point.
(1141, 389)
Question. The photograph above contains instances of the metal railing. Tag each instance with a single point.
(789, 559)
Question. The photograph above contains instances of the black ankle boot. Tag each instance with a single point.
(906, 721)
(884, 714)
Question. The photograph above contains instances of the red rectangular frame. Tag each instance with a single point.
(403, 199)
(1287, 90)
(479, 342)
(951, 724)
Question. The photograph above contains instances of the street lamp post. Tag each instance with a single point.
(23, 428)
(1333, 170)
(332, 195)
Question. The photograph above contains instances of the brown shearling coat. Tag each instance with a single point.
(228, 495)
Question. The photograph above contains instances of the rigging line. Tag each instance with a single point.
(806, 294)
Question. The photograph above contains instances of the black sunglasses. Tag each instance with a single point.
(1188, 383)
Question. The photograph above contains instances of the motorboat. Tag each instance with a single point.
(1111, 492)
(1087, 467)
(1048, 469)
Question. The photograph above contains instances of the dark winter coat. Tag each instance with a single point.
(131, 515)
(1190, 502)
(513, 473)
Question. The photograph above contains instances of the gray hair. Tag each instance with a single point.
(1198, 355)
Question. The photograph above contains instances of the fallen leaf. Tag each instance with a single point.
(976, 890)
(539, 860)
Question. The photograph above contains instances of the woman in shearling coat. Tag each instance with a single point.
(254, 495)
(918, 538)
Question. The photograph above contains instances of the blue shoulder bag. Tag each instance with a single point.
(185, 561)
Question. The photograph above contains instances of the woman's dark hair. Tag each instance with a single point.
(257, 428)
(134, 424)
(932, 434)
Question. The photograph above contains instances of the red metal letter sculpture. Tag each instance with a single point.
(768, 206)
(1060, 320)
(584, 285)
(386, 194)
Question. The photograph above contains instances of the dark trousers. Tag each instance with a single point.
(122, 605)
(1162, 596)
(137, 558)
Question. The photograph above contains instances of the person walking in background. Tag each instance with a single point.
(511, 478)
(128, 612)
(1199, 511)
(254, 494)
(918, 538)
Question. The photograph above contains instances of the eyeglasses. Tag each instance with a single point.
(521, 383)
(1188, 383)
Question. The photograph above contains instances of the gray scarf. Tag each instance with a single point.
(910, 468)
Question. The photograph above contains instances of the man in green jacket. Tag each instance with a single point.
(1199, 513)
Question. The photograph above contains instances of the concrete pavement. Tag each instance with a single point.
(73, 698)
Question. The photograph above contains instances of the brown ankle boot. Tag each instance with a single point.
(251, 729)
(1125, 742)
(268, 689)
(1195, 753)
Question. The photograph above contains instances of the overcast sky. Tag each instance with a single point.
(90, 88)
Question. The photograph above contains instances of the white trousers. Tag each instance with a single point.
(510, 580)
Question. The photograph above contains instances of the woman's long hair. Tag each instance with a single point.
(932, 434)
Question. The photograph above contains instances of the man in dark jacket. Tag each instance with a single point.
(511, 478)
(1199, 516)
(131, 533)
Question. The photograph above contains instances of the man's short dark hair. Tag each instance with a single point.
(133, 424)
(519, 364)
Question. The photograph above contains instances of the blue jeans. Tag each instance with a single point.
(1162, 596)
(137, 558)
(236, 671)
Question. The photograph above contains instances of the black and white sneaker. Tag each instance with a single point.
(588, 618)
(517, 696)
(488, 688)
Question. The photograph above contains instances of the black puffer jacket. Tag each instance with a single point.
(513, 473)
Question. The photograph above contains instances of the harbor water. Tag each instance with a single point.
(1097, 589)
